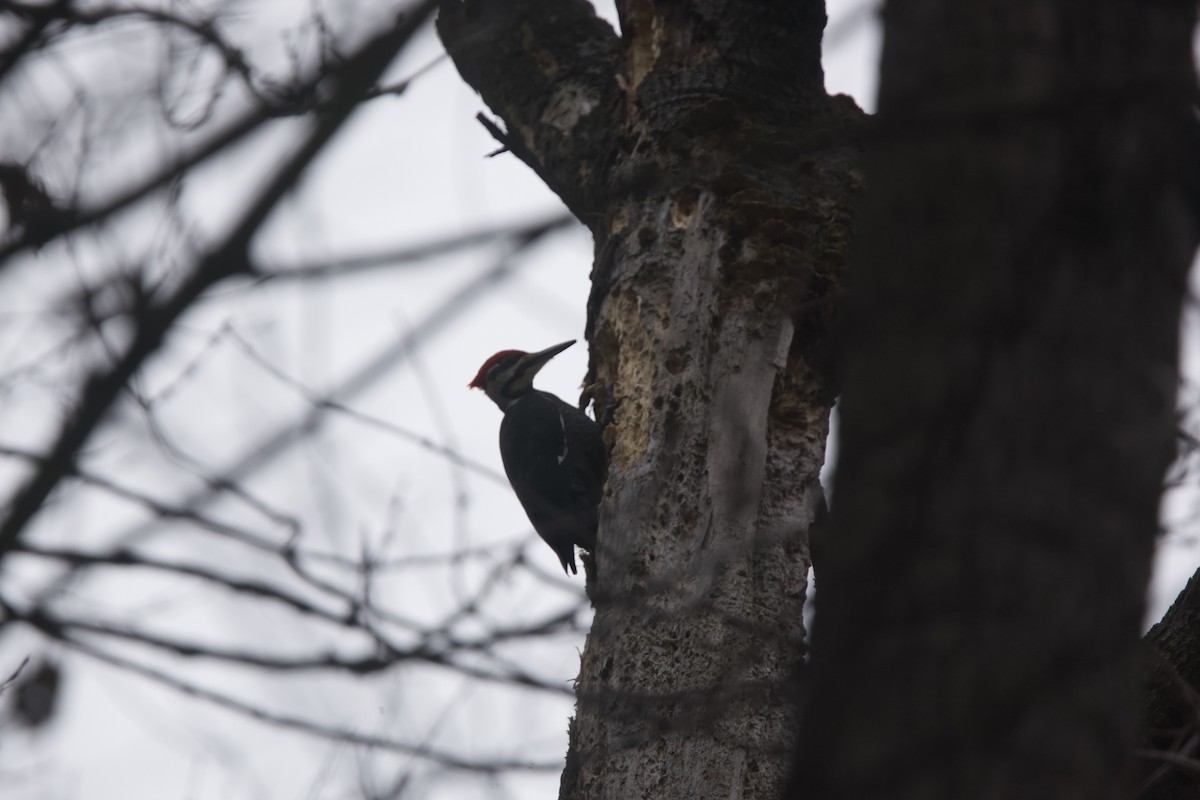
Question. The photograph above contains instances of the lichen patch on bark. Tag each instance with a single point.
(568, 105)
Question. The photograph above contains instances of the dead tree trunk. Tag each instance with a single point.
(718, 179)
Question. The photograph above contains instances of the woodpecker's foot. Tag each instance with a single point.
(589, 569)
(610, 405)
(589, 395)
(604, 404)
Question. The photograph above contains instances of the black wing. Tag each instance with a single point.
(555, 460)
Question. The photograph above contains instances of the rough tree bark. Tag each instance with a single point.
(1008, 396)
(1009, 377)
(718, 179)
(1171, 717)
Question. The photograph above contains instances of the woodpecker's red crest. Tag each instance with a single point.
(480, 381)
(508, 375)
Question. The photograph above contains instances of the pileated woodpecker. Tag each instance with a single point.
(552, 452)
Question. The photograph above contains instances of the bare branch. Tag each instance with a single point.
(204, 30)
(272, 445)
(416, 255)
(16, 673)
(231, 257)
(304, 725)
(437, 648)
(296, 99)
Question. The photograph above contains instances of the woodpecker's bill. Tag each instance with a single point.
(552, 452)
